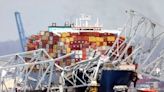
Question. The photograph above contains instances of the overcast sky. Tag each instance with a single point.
(38, 14)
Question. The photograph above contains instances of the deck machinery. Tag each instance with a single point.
(36, 70)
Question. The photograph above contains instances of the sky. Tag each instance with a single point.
(38, 14)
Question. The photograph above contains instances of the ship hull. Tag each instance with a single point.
(111, 78)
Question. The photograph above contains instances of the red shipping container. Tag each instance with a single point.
(101, 43)
(51, 33)
(50, 50)
(77, 59)
(74, 34)
(37, 37)
(55, 42)
(79, 41)
(85, 45)
(68, 62)
(51, 46)
(109, 43)
(29, 40)
(104, 34)
(31, 46)
(84, 54)
(129, 50)
(75, 47)
(105, 39)
(83, 33)
(120, 42)
(44, 41)
(29, 49)
(122, 38)
(86, 38)
(90, 34)
(75, 42)
(93, 45)
(78, 38)
(110, 34)
(96, 34)
(56, 37)
(36, 44)
(43, 45)
(101, 34)
(78, 47)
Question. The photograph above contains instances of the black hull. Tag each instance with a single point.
(110, 78)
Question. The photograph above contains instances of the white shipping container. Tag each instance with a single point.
(47, 49)
(61, 44)
(51, 38)
(76, 52)
(40, 46)
(80, 52)
(87, 50)
(47, 33)
(81, 45)
(47, 46)
(40, 42)
(51, 42)
(76, 56)
(105, 47)
(42, 33)
(80, 56)
(64, 51)
(73, 51)
(59, 55)
(126, 67)
(72, 60)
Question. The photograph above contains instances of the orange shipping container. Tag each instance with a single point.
(98, 43)
(60, 63)
(50, 50)
(65, 34)
(54, 50)
(101, 39)
(44, 37)
(111, 38)
(92, 39)
(47, 34)
(84, 54)
(71, 39)
(67, 40)
(51, 54)
(105, 43)
(63, 39)
(68, 50)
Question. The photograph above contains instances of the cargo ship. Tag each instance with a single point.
(86, 41)
(80, 38)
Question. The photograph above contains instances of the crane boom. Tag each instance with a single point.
(21, 32)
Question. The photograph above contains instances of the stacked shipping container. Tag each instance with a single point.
(46, 40)
(81, 44)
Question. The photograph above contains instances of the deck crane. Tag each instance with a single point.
(21, 31)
